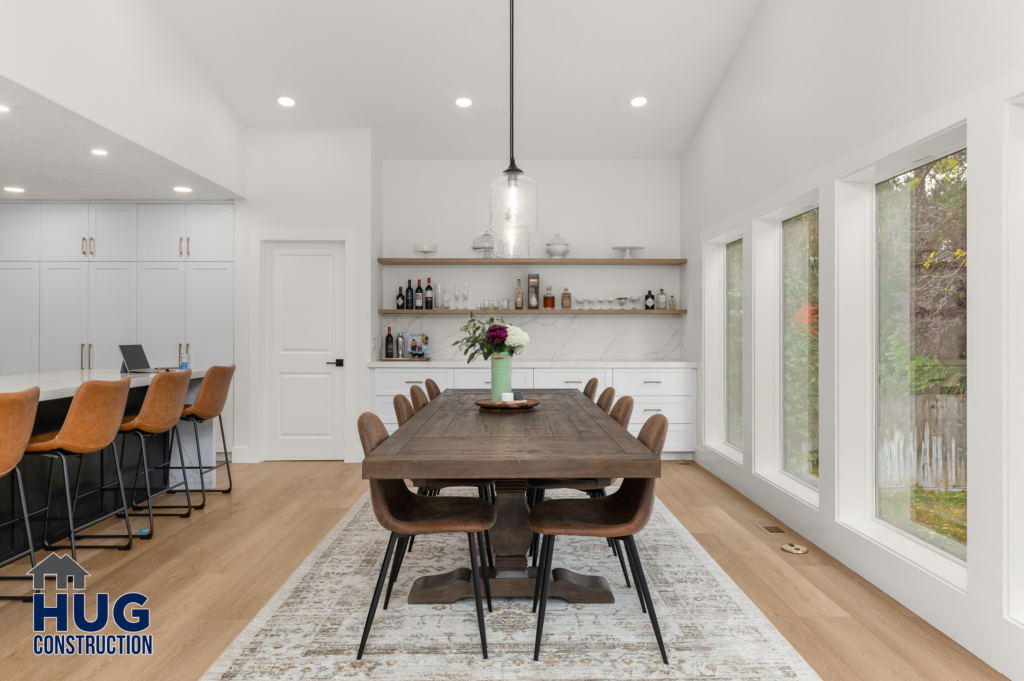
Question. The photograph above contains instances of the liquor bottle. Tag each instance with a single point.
(519, 294)
(400, 346)
(428, 296)
(533, 286)
(672, 303)
(662, 300)
(549, 300)
(419, 295)
(649, 301)
(400, 300)
(566, 299)
(408, 296)
(389, 345)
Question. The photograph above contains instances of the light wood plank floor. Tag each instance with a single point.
(207, 576)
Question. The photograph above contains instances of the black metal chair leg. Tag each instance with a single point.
(28, 539)
(484, 571)
(490, 554)
(227, 461)
(548, 551)
(376, 594)
(642, 581)
(636, 580)
(184, 473)
(67, 495)
(199, 456)
(403, 543)
(622, 562)
(124, 499)
(149, 492)
(538, 576)
(476, 591)
(49, 499)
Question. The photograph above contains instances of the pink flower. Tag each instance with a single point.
(497, 334)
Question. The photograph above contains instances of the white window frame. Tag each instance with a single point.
(767, 412)
(714, 351)
(856, 365)
(1013, 395)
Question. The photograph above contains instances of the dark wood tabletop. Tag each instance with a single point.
(565, 436)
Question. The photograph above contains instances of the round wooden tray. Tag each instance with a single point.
(488, 405)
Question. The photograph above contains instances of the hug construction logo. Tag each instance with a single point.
(130, 620)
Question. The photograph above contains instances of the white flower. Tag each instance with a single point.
(517, 339)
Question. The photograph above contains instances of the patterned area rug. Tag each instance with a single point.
(312, 626)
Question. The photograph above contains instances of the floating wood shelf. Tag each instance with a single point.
(501, 313)
(673, 262)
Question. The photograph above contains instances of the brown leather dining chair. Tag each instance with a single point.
(209, 403)
(408, 515)
(623, 411)
(433, 392)
(591, 389)
(606, 399)
(619, 516)
(161, 409)
(419, 398)
(17, 414)
(89, 428)
(403, 409)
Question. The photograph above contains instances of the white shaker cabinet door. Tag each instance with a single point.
(64, 232)
(63, 316)
(209, 313)
(113, 232)
(210, 234)
(161, 311)
(112, 296)
(161, 232)
(19, 232)
(19, 310)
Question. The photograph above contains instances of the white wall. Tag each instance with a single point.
(817, 92)
(303, 185)
(593, 205)
(120, 64)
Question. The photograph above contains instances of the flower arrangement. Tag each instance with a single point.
(491, 337)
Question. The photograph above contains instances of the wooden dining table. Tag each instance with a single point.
(565, 436)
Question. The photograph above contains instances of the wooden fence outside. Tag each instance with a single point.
(922, 440)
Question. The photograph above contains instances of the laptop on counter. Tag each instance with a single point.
(133, 361)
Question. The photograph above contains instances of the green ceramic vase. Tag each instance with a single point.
(501, 375)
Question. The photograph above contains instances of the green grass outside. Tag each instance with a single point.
(935, 515)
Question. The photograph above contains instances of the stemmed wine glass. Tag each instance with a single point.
(579, 303)
(455, 294)
(611, 302)
(465, 294)
(635, 299)
(590, 302)
(600, 303)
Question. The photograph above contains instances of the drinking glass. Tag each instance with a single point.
(590, 302)
(579, 303)
(465, 294)
(505, 302)
(455, 294)
(635, 299)
(600, 303)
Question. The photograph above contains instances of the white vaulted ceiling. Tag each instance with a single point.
(397, 66)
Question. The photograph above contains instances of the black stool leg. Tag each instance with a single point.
(149, 492)
(376, 594)
(67, 496)
(184, 473)
(642, 581)
(538, 576)
(622, 562)
(28, 538)
(476, 591)
(490, 554)
(124, 499)
(484, 571)
(403, 543)
(199, 456)
(548, 551)
(227, 461)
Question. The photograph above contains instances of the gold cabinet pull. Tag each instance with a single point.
(81, 357)
(179, 245)
(83, 245)
(652, 381)
(90, 246)
(652, 410)
(90, 356)
(574, 381)
(179, 352)
(414, 381)
(188, 246)
(186, 348)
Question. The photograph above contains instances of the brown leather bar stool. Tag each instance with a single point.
(619, 516)
(419, 398)
(433, 392)
(90, 427)
(17, 414)
(606, 399)
(159, 415)
(407, 515)
(591, 389)
(209, 403)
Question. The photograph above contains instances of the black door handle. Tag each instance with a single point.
(338, 362)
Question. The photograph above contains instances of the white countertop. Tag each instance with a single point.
(58, 384)
(539, 364)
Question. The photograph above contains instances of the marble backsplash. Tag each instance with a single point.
(555, 337)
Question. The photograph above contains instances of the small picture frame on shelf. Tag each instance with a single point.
(418, 344)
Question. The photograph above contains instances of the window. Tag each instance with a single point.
(734, 343)
(800, 346)
(921, 390)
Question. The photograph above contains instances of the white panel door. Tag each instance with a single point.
(210, 313)
(19, 232)
(63, 315)
(161, 232)
(112, 322)
(304, 333)
(19, 310)
(113, 232)
(210, 232)
(161, 311)
(64, 231)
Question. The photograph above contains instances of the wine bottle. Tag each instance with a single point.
(389, 345)
(649, 301)
(519, 294)
(419, 295)
(428, 296)
(408, 296)
(400, 300)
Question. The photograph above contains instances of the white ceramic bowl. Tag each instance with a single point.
(425, 249)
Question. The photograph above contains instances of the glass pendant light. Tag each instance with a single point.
(513, 194)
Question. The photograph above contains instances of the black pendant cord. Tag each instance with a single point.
(511, 87)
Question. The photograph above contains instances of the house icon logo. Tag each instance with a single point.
(64, 568)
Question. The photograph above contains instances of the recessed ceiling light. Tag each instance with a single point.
(638, 101)
(463, 102)
(99, 152)
(16, 190)
(184, 190)
(286, 101)
(3, 109)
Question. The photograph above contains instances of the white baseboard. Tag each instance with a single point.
(242, 454)
(677, 456)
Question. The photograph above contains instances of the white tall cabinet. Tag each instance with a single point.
(19, 308)
(112, 312)
(161, 325)
(63, 316)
